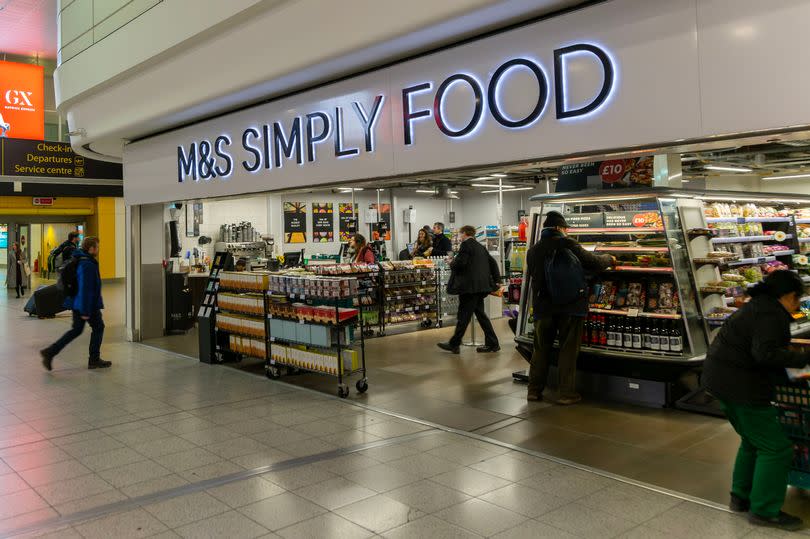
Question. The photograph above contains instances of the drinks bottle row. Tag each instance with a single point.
(633, 333)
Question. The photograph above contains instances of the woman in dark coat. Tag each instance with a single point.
(15, 277)
(745, 362)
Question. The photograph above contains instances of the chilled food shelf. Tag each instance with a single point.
(665, 316)
(803, 221)
(410, 283)
(783, 253)
(804, 240)
(743, 220)
(623, 230)
(638, 249)
(640, 269)
(748, 239)
(747, 261)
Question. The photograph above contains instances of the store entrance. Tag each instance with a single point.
(663, 287)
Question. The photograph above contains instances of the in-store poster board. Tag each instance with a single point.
(22, 101)
(48, 159)
(382, 229)
(347, 220)
(3, 236)
(610, 174)
(615, 219)
(295, 222)
(585, 220)
(323, 222)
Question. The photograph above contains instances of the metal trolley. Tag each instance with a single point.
(793, 407)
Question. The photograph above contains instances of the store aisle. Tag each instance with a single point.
(160, 442)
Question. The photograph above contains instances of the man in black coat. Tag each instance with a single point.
(554, 321)
(474, 275)
(441, 243)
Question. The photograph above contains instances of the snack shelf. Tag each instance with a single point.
(414, 309)
(623, 230)
(664, 316)
(748, 239)
(747, 261)
(242, 334)
(640, 269)
(240, 313)
(392, 297)
(411, 283)
(343, 323)
(344, 372)
(783, 253)
(743, 220)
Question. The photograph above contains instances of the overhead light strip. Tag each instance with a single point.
(788, 176)
(724, 168)
(508, 190)
(491, 185)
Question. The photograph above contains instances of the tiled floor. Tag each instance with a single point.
(139, 451)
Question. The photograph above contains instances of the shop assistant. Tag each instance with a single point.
(744, 364)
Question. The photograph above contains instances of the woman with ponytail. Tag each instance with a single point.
(745, 362)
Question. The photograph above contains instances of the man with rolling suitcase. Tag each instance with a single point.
(81, 282)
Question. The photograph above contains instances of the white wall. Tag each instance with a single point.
(219, 212)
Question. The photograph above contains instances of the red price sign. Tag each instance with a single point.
(639, 220)
(612, 171)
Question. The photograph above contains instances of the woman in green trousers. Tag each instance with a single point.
(746, 360)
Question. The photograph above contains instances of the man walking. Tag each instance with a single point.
(66, 248)
(81, 282)
(474, 275)
(441, 243)
(555, 264)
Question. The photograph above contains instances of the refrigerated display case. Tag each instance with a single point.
(660, 294)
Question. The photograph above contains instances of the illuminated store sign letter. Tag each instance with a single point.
(257, 156)
(438, 105)
(340, 151)
(369, 120)
(285, 145)
(312, 138)
(409, 116)
(560, 75)
(226, 140)
(493, 93)
(187, 163)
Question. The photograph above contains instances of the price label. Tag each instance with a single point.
(301, 321)
(272, 339)
(632, 313)
(639, 221)
(612, 171)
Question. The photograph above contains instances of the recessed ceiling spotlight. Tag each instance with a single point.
(725, 168)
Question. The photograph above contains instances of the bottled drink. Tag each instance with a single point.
(602, 331)
(637, 335)
(627, 334)
(594, 340)
(663, 338)
(611, 329)
(675, 337)
(586, 330)
(655, 336)
(646, 337)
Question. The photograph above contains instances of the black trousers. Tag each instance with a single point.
(469, 305)
(568, 330)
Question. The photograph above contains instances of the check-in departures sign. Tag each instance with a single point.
(48, 159)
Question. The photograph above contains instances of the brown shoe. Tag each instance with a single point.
(534, 396)
(569, 400)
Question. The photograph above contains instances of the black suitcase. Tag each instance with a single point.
(48, 301)
(30, 306)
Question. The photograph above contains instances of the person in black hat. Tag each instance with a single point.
(555, 319)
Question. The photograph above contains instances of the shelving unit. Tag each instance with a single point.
(410, 293)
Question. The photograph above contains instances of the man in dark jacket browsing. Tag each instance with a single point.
(553, 320)
(474, 275)
(86, 304)
(441, 243)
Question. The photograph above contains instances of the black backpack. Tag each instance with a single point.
(69, 278)
(565, 277)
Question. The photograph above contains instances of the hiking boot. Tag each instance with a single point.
(98, 364)
(738, 504)
(487, 349)
(47, 359)
(782, 521)
(569, 400)
(449, 347)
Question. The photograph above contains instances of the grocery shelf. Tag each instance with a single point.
(411, 283)
(640, 314)
(343, 323)
(624, 230)
(747, 239)
(238, 312)
(639, 249)
(746, 261)
(639, 269)
(803, 221)
(241, 333)
(804, 240)
(742, 220)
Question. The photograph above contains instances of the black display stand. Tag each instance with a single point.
(206, 317)
(179, 315)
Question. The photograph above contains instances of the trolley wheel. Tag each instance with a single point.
(362, 385)
(273, 373)
(343, 391)
(440, 324)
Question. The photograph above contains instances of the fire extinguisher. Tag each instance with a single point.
(36, 265)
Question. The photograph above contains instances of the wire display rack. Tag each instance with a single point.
(793, 409)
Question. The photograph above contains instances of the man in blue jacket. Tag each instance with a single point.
(85, 302)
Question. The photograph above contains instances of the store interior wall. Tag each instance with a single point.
(37, 249)
(120, 239)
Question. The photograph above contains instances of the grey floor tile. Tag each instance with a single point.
(10, 525)
(319, 428)
(524, 500)
(347, 463)
(279, 436)
(136, 523)
(427, 496)
(211, 471)
(326, 525)
(186, 509)
(481, 517)
(644, 532)
(295, 478)
(692, 520)
(462, 453)
(389, 453)
(90, 502)
(241, 493)
(470, 481)
(73, 489)
(430, 527)
(512, 468)
(232, 525)
(567, 483)
(424, 465)
(163, 446)
(145, 434)
(587, 522)
(133, 473)
(11, 483)
(349, 438)
(50, 473)
(532, 529)
(632, 503)
(111, 459)
(335, 493)
(305, 448)
(209, 436)
(36, 458)
(236, 447)
(379, 513)
(185, 460)
(382, 477)
(100, 444)
(282, 511)
(151, 486)
(265, 457)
